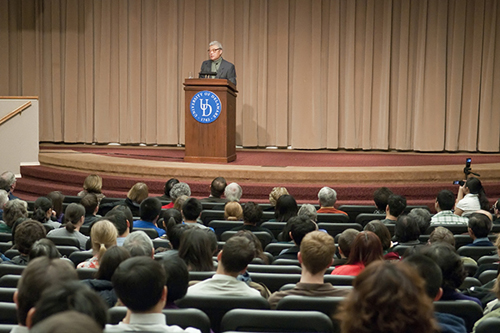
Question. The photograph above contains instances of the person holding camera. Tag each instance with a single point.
(471, 197)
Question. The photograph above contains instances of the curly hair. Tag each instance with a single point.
(390, 298)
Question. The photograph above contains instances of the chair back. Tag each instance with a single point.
(332, 218)
(476, 252)
(488, 259)
(462, 240)
(67, 250)
(293, 269)
(11, 253)
(161, 243)
(354, 210)
(68, 241)
(335, 229)
(80, 256)
(488, 325)
(287, 262)
(469, 311)
(487, 276)
(470, 282)
(274, 281)
(208, 215)
(274, 227)
(8, 313)
(7, 294)
(152, 233)
(200, 276)
(86, 273)
(276, 248)
(6, 328)
(9, 281)
(5, 237)
(11, 269)
(363, 219)
(221, 226)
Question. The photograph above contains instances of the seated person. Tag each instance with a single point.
(90, 202)
(138, 244)
(479, 228)
(252, 215)
(299, 227)
(233, 192)
(444, 204)
(233, 211)
(67, 321)
(177, 191)
(150, 209)
(346, 239)
(27, 233)
(396, 205)
(377, 227)
(197, 247)
(327, 198)
(177, 278)
(423, 218)
(406, 231)
(73, 218)
(191, 211)
(381, 197)
(217, 188)
(166, 189)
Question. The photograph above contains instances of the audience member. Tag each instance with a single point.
(423, 218)
(259, 251)
(315, 256)
(177, 278)
(92, 184)
(43, 212)
(166, 189)
(233, 211)
(146, 300)
(4, 198)
(179, 202)
(252, 215)
(396, 205)
(346, 238)
(471, 197)
(217, 188)
(122, 223)
(169, 218)
(90, 202)
(479, 228)
(12, 211)
(103, 235)
(233, 192)
(196, 249)
(135, 196)
(299, 227)
(406, 231)
(177, 191)
(309, 211)
(390, 298)
(365, 250)
(73, 219)
(150, 209)
(496, 212)
(57, 199)
(233, 259)
(379, 229)
(67, 321)
(381, 198)
(495, 310)
(276, 193)
(286, 208)
(191, 211)
(175, 233)
(43, 248)
(10, 181)
(327, 198)
(27, 233)
(441, 234)
(138, 244)
(444, 204)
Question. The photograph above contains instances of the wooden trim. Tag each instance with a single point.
(15, 112)
(18, 97)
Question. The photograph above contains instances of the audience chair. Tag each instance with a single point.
(4, 247)
(48, 228)
(462, 240)
(488, 260)
(85, 229)
(209, 215)
(11, 269)
(68, 241)
(274, 227)
(495, 228)
(8, 313)
(66, 251)
(6, 328)
(363, 219)
(489, 325)
(5, 237)
(221, 226)
(424, 239)
(152, 233)
(86, 273)
(80, 256)
(286, 262)
(410, 207)
(7, 294)
(180, 317)
(339, 280)
(213, 205)
(486, 267)
(11, 253)
(487, 276)
(245, 320)
(469, 311)
(216, 307)
(335, 229)
(354, 210)
(200, 276)
(401, 248)
(332, 218)
(274, 281)
(276, 248)
(72, 199)
(266, 216)
(264, 237)
(9, 281)
(455, 229)
(470, 282)
(266, 207)
(476, 252)
(274, 269)
(470, 268)
(161, 243)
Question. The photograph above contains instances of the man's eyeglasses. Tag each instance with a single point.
(214, 50)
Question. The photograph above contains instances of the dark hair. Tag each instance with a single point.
(451, 265)
(217, 187)
(286, 207)
(169, 218)
(475, 187)
(346, 238)
(174, 234)
(259, 252)
(252, 213)
(480, 224)
(429, 271)
(119, 219)
(406, 229)
(148, 279)
(301, 226)
(191, 209)
(177, 276)
(27, 233)
(381, 197)
(150, 209)
(196, 249)
(90, 203)
(57, 199)
(66, 321)
(446, 200)
(379, 229)
(44, 248)
(237, 253)
(168, 186)
(111, 259)
(397, 204)
(73, 215)
(365, 249)
(41, 207)
(128, 213)
(71, 295)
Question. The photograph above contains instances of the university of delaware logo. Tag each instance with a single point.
(205, 107)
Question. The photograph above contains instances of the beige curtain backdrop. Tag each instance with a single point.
(419, 75)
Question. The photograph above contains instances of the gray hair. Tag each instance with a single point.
(139, 244)
(308, 211)
(216, 43)
(4, 197)
(327, 197)
(13, 210)
(180, 189)
(10, 177)
(422, 216)
(233, 192)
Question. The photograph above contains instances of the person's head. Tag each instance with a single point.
(150, 209)
(441, 234)
(71, 295)
(67, 321)
(74, 216)
(316, 252)
(179, 189)
(479, 225)
(276, 193)
(299, 227)
(396, 205)
(327, 197)
(379, 229)
(217, 187)
(445, 200)
(191, 209)
(179, 202)
(4, 197)
(406, 229)
(90, 203)
(496, 208)
(423, 218)
(381, 197)
(473, 186)
(103, 235)
(430, 272)
(13, 210)
(214, 50)
(236, 254)
(128, 213)
(286, 207)
(93, 184)
(449, 262)
(40, 274)
(27, 233)
(252, 213)
(57, 199)
(138, 192)
(110, 261)
(148, 278)
(365, 249)
(233, 211)
(177, 277)
(346, 239)
(196, 249)
(42, 209)
(308, 211)
(43, 248)
(169, 218)
(168, 186)
(119, 219)
(387, 297)
(233, 192)
(138, 244)
(259, 251)
(10, 180)
(174, 234)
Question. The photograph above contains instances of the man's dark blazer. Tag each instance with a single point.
(226, 70)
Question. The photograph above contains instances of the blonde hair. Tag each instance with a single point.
(103, 235)
(233, 211)
(138, 192)
(179, 202)
(276, 193)
(93, 184)
(317, 249)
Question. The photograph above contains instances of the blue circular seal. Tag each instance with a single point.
(205, 107)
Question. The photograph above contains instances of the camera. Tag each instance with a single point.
(459, 182)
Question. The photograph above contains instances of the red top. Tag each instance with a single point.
(352, 270)
(330, 210)
(170, 205)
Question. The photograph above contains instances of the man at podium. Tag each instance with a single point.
(223, 69)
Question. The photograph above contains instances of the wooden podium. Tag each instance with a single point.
(213, 142)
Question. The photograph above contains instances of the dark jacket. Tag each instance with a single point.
(105, 289)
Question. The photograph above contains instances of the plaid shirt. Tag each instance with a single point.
(447, 217)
